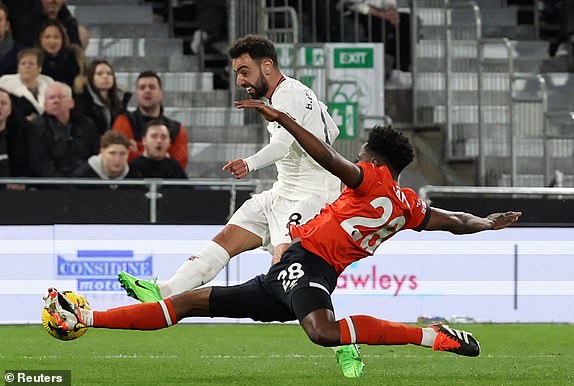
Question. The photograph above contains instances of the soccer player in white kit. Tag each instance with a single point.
(302, 188)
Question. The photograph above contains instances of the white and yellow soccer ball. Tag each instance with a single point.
(51, 325)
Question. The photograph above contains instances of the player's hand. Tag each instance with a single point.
(237, 167)
(268, 112)
(502, 220)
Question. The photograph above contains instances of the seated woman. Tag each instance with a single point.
(63, 61)
(28, 86)
(100, 98)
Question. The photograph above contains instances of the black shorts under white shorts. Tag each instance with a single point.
(300, 283)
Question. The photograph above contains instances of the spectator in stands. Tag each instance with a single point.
(379, 21)
(31, 20)
(8, 46)
(13, 149)
(100, 99)
(63, 61)
(211, 15)
(28, 86)
(155, 161)
(60, 140)
(16, 9)
(132, 124)
(112, 161)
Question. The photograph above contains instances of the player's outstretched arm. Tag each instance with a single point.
(349, 173)
(464, 223)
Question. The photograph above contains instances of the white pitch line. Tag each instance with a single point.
(273, 356)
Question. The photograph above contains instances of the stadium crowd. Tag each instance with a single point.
(57, 108)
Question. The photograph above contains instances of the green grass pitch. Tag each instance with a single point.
(512, 354)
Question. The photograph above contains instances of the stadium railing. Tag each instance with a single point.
(61, 200)
(539, 206)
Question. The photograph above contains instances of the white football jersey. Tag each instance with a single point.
(298, 175)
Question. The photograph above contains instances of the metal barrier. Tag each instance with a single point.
(489, 113)
(444, 38)
(289, 33)
(468, 37)
(539, 206)
(292, 24)
(426, 192)
(152, 186)
(529, 108)
(559, 148)
(510, 121)
(327, 21)
(503, 134)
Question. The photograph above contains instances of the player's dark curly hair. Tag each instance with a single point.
(257, 46)
(390, 145)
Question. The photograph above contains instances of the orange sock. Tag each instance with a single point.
(144, 316)
(369, 330)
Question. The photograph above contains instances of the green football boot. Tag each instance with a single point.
(143, 290)
(350, 361)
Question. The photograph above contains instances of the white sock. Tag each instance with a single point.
(87, 316)
(196, 271)
(429, 335)
(335, 348)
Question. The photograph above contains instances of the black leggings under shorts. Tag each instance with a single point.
(299, 284)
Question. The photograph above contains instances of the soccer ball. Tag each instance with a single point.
(51, 326)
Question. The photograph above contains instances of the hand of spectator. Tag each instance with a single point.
(390, 14)
(133, 145)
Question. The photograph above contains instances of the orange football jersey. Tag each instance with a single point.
(360, 219)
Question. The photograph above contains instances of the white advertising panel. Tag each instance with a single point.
(514, 275)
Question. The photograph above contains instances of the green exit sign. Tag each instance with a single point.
(353, 57)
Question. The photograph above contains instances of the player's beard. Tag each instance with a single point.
(260, 88)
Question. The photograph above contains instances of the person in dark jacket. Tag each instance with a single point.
(13, 148)
(100, 99)
(9, 47)
(32, 18)
(155, 161)
(150, 106)
(63, 61)
(60, 140)
(112, 161)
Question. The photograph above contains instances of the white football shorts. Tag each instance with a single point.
(268, 216)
